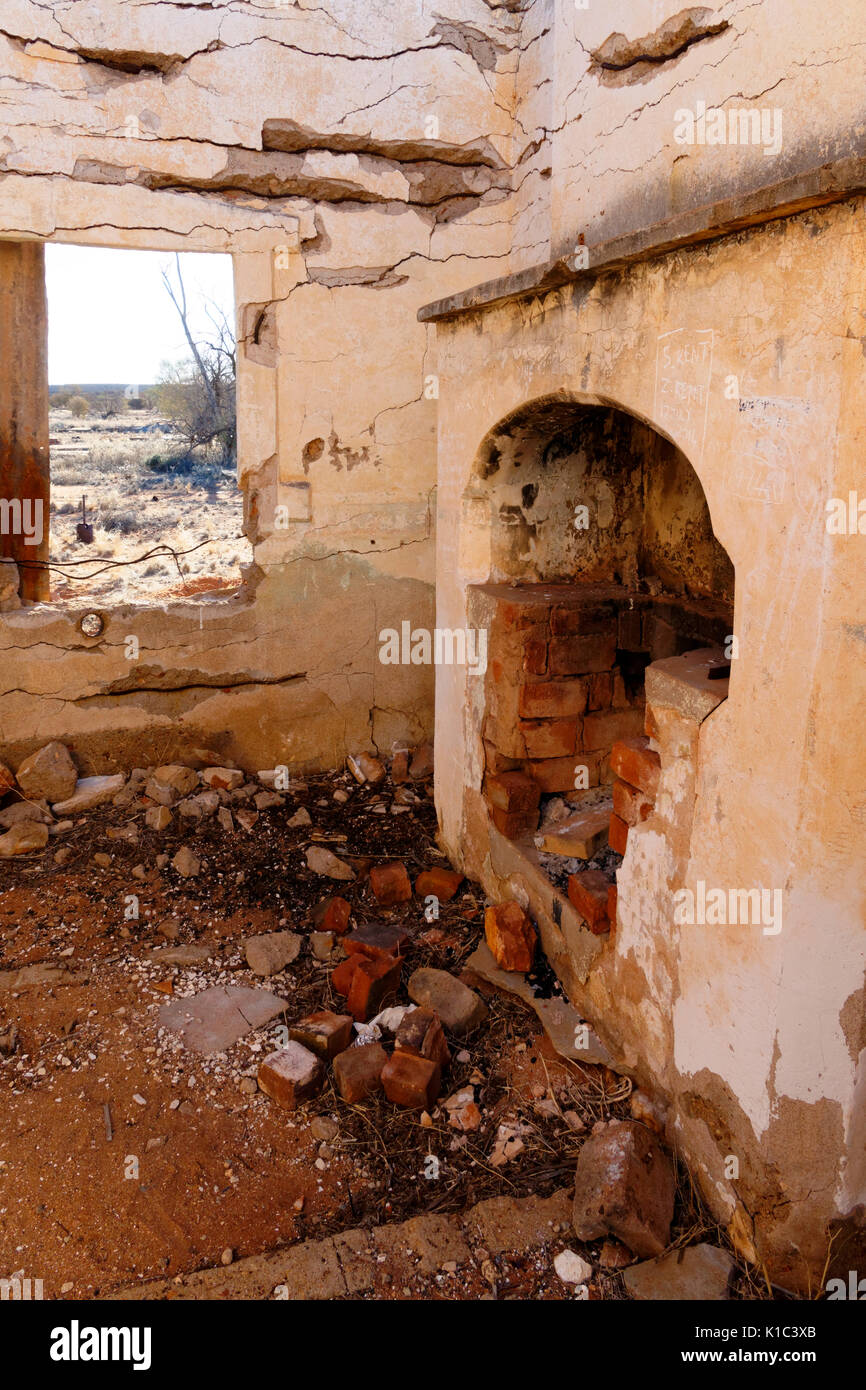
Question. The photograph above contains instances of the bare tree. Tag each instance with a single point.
(208, 411)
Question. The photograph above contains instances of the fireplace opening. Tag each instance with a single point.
(604, 577)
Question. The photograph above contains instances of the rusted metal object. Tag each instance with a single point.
(84, 529)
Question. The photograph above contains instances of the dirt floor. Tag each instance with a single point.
(140, 505)
(123, 1155)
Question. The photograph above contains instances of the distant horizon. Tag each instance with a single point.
(110, 317)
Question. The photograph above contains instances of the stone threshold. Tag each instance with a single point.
(354, 1261)
(829, 183)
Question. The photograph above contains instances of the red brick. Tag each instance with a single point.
(611, 904)
(600, 691)
(630, 803)
(323, 1032)
(514, 825)
(602, 730)
(372, 982)
(411, 1081)
(634, 761)
(358, 1072)
(421, 1032)
(582, 618)
(587, 891)
(390, 884)
(497, 762)
(535, 656)
(512, 791)
(617, 836)
(438, 883)
(510, 935)
(332, 914)
(549, 738)
(291, 1075)
(552, 699)
(577, 656)
(341, 976)
(558, 774)
(376, 940)
(400, 767)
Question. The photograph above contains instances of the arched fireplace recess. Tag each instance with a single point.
(606, 584)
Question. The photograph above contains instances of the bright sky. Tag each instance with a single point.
(110, 318)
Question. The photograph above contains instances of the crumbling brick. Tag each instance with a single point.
(332, 914)
(553, 699)
(625, 1187)
(603, 729)
(377, 940)
(372, 982)
(512, 792)
(617, 835)
(358, 1071)
(438, 883)
(510, 935)
(291, 1075)
(514, 825)
(578, 656)
(390, 884)
(634, 761)
(421, 1032)
(323, 1032)
(630, 803)
(549, 738)
(411, 1081)
(587, 891)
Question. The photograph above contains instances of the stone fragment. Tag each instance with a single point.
(421, 1032)
(226, 820)
(411, 1081)
(390, 884)
(614, 1255)
(247, 819)
(49, 773)
(181, 779)
(215, 1018)
(463, 1113)
(358, 1071)
(323, 1032)
(301, 818)
(90, 792)
(32, 811)
(697, 1273)
(157, 817)
(103, 860)
(587, 892)
(332, 914)
(199, 807)
(161, 792)
(572, 1268)
(438, 883)
(186, 863)
(272, 951)
(291, 1075)
(625, 1187)
(372, 982)
(509, 1143)
(647, 1111)
(510, 935)
(459, 1007)
(323, 862)
(266, 801)
(128, 833)
(226, 779)
(180, 955)
(376, 940)
(22, 838)
(321, 944)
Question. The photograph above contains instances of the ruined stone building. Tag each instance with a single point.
(552, 325)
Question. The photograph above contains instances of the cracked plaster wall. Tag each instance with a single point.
(757, 1040)
(354, 158)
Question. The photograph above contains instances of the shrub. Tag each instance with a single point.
(80, 406)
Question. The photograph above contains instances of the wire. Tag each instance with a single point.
(61, 566)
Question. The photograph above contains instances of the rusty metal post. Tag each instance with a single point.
(24, 467)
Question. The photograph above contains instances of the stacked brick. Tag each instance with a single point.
(555, 697)
(636, 769)
(564, 683)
